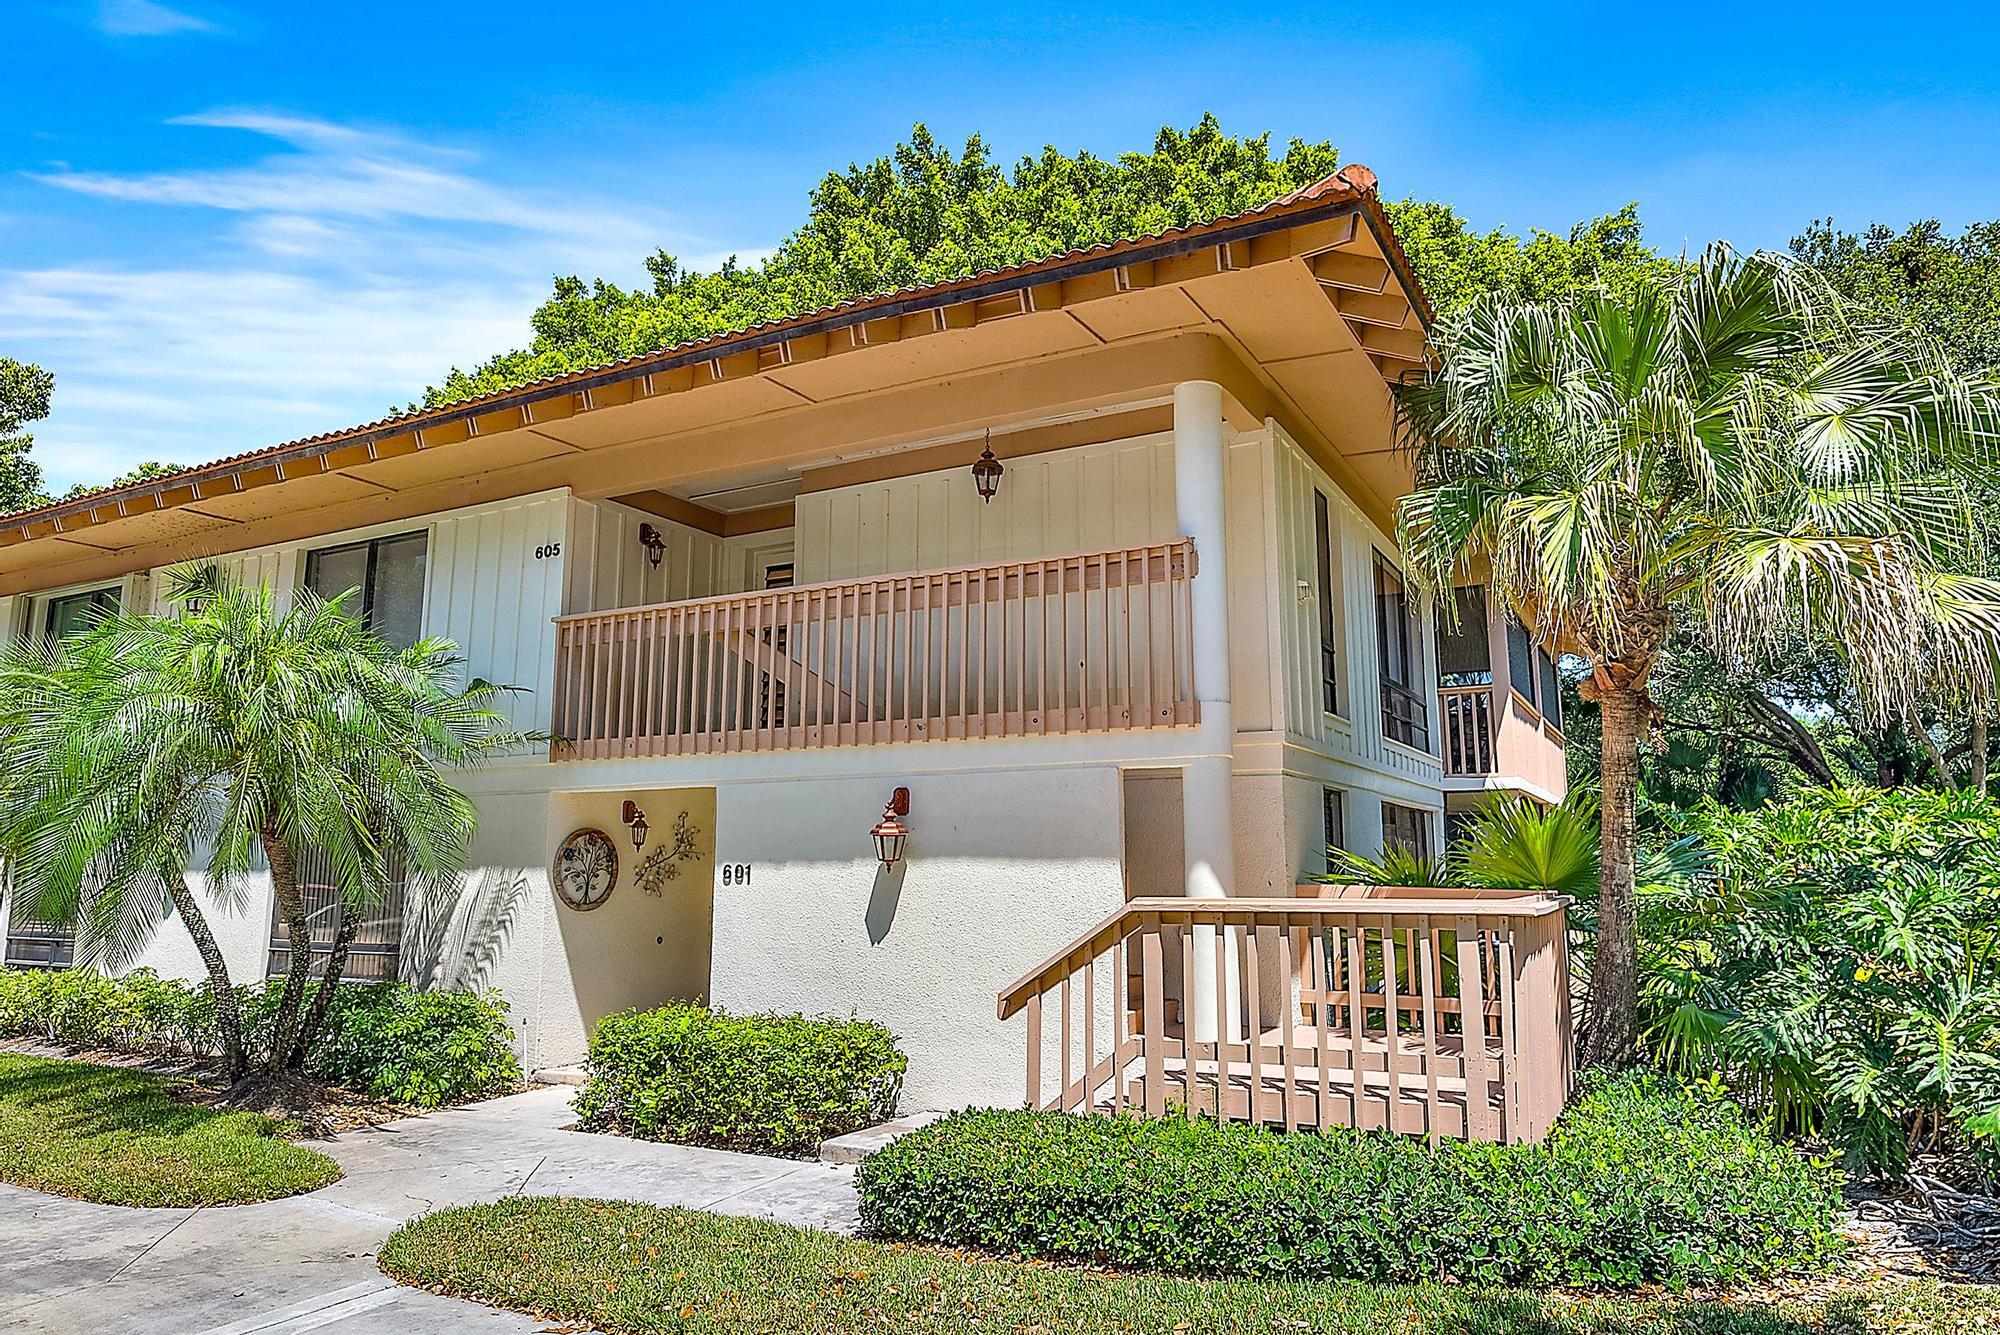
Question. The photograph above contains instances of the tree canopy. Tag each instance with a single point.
(918, 214)
(25, 390)
(923, 213)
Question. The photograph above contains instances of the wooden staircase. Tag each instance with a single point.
(1427, 1011)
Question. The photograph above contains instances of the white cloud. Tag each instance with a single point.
(334, 277)
(146, 18)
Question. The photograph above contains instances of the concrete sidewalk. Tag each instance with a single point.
(308, 1263)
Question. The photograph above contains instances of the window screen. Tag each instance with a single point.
(1329, 634)
(1406, 827)
(1398, 647)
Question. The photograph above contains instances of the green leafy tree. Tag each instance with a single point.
(1732, 447)
(144, 472)
(153, 746)
(1455, 264)
(25, 390)
(1948, 287)
(917, 215)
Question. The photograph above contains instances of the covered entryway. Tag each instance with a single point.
(636, 918)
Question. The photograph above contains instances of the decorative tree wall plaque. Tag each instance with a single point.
(664, 863)
(586, 869)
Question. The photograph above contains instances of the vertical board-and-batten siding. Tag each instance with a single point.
(1356, 733)
(1092, 498)
(489, 591)
(485, 588)
(609, 568)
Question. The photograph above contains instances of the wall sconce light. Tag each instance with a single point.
(890, 834)
(635, 820)
(986, 471)
(655, 544)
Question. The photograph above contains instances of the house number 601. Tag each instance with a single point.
(736, 873)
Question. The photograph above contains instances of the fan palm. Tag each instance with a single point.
(1732, 447)
(152, 747)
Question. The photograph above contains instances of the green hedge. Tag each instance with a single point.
(386, 1039)
(767, 1083)
(1639, 1183)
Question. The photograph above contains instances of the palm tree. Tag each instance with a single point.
(151, 747)
(1733, 448)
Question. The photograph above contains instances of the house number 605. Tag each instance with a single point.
(736, 873)
(547, 550)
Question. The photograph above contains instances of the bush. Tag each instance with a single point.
(389, 1040)
(1839, 968)
(422, 1048)
(766, 1083)
(1638, 1183)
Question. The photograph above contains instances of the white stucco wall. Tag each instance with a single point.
(1003, 869)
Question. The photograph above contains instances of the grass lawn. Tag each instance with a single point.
(104, 1133)
(635, 1269)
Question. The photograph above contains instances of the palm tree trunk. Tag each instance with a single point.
(298, 933)
(1980, 741)
(228, 1019)
(1614, 967)
(336, 965)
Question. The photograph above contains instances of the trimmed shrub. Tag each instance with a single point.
(1639, 1183)
(422, 1048)
(389, 1040)
(777, 1084)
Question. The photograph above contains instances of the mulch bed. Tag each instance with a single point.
(320, 1110)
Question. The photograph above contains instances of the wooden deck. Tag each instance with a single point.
(1442, 1013)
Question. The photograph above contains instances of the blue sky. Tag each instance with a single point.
(226, 223)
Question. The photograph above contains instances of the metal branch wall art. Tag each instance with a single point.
(664, 863)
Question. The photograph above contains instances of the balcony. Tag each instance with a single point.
(1497, 739)
(1094, 642)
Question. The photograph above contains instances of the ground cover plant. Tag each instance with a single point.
(628, 1269)
(1638, 1183)
(390, 1041)
(1839, 969)
(121, 1137)
(776, 1084)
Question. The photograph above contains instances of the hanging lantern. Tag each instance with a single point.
(655, 544)
(986, 471)
(635, 820)
(890, 834)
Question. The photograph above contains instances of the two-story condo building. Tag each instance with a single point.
(1157, 643)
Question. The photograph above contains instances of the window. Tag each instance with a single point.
(1399, 654)
(378, 939)
(1532, 672)
(1520, 659)
(1464, 656)
(1329, 635)
(1407, 828)
(1334, 803)
(1549, 698)
(75, 613)
(386, 576)
(37, 945)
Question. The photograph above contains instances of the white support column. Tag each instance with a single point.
(1209, 821)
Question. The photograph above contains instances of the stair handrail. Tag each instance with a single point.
(1379, 901)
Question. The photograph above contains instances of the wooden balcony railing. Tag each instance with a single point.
(1465, 714)
(1092, 642)
(1434, 1012)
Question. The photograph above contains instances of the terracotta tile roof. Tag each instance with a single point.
(1351, 183)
